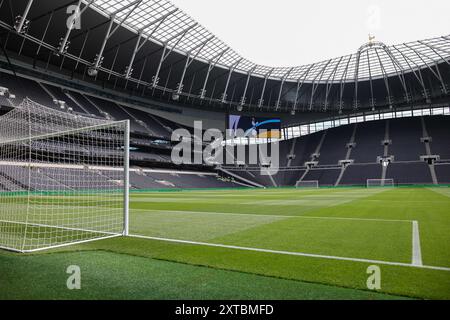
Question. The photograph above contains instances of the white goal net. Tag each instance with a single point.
(380, 183)
(63, 178)
(307, 184)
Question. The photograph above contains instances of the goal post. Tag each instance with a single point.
(380, 183)
(307, 184)
(63, 178)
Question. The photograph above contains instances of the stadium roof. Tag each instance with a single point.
(165, 24)
(152, 49)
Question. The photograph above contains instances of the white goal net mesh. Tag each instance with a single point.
(61, 178)
(307, 184)
(380, 183)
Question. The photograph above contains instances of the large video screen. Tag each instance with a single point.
(255, 127)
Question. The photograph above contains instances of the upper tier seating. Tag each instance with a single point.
(438, 128)
(406, 148)
(409, 173)
(357, 174)
(405, 134)
(140, 121)
(443, 173)
(334, 146)
(368, 142)
(326, 177)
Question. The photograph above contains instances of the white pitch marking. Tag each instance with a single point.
(416, 252)
(270, 215)
(311, 255)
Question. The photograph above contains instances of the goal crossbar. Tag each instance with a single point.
(379, 182)
(307, 184)
(64, 133)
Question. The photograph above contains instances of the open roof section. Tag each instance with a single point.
(168, 25)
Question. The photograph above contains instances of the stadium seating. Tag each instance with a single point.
(357, 174)
(50, 178)
(334, 145)
(368, 142)
(326, 177)
(406, 147)
(443, 173)
(405, 134)
(46, 94)
(438, 129)
(409, 173)
(329, 146)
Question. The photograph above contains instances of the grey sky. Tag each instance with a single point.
(296, 32)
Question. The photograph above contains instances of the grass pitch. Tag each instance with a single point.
(256, 244)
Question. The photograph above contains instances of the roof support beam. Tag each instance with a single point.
(261, 99)
(189, 59)
(315, 85)
(62, 47)
(179, 36)
(19, 28)
(277, 104)
(43, 35)
(110, 31)
(212, 63)
(355, 79)
(243, 98)
(372, 99)
(224, 94)
(138, 46)
(300, 85)
(419, 76)
(385, 78)
(444, 87)
(399, 72)
(328, 85)
(437, 75)
(342, 84)
(99, 57)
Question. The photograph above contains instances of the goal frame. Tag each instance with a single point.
(126, 186)
(315, 182)
(382, 183)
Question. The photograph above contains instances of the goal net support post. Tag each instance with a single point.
(380, 183)
(63, 178)
(307, 184)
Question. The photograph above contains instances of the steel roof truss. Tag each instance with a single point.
(62, 47)
(211, 65)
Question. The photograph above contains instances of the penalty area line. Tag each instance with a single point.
(267, 215)
(416, 252)
(302, 254)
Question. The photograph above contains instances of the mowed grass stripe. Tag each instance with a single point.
(110, 275)
(431, 210)
(193, 226)
(150, 211)
(404, 280)
(260, 203)
(359, 238)
(408, 204)
(375, 240)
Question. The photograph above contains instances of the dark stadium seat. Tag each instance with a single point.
(443, 173)
(405, 134)
(334, 146)
(438, 128)
(368, 142)
(409, 173)
(326, 177)
(357, 174)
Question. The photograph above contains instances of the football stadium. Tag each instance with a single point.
(141, 157)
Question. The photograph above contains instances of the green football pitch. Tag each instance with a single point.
(255, 244)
